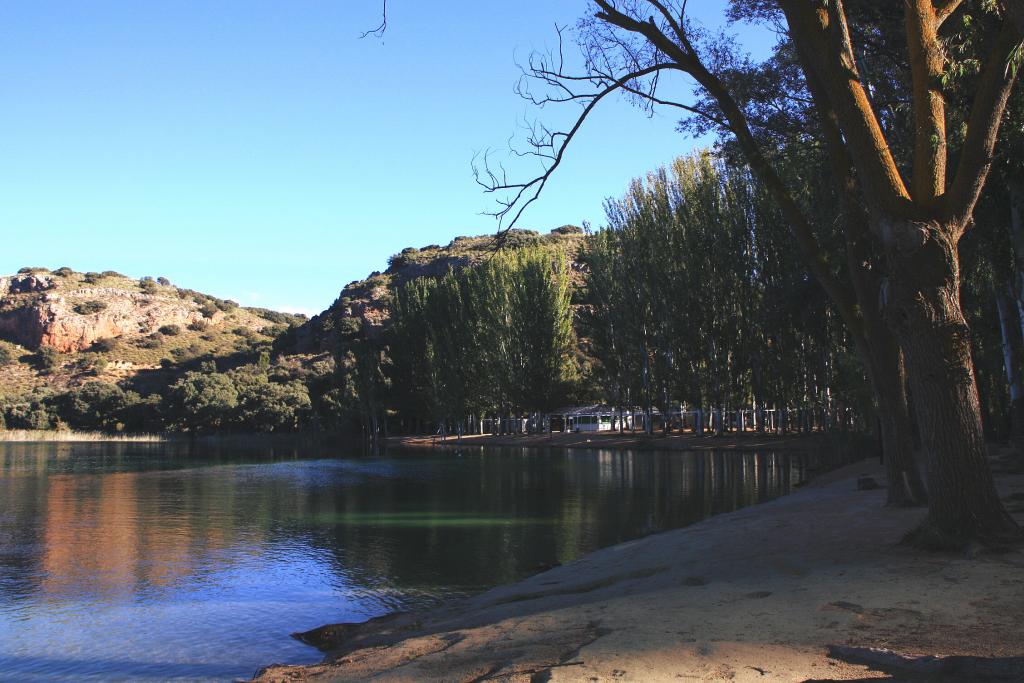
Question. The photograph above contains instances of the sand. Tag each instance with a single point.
(811, 586)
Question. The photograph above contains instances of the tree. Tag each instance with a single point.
(916, 225)
(203, 401)
(273, 407)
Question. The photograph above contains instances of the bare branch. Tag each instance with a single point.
(379, 31)
(944, 8)
(549, 146)
(983, 126)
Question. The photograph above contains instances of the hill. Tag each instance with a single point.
(102, 351)
(363, 304)
(61, 328)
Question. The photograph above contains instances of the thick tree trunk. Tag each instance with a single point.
(923, 309)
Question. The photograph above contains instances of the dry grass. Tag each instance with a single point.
(25, 435)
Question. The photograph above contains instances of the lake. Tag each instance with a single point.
(181, 561)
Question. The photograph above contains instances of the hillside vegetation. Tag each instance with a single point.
(105, 351)
(101, 351)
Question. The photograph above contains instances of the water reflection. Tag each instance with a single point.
(158, 561)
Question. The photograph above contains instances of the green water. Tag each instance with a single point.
(162, 562)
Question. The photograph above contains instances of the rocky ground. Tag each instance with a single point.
(812, 586)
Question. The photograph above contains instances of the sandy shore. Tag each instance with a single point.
(812, 586)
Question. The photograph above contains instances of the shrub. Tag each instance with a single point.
(99, 366)
(48, 358)
(208, 309)
(6, 357)
(568, 230)
(33, 414)
(272, 407)
(164, 281)
(111, 273)
(148, 285)
(104, 345)
(203, 401)
(90, 307)
(199, 325)
(153, 341)
(32, 269)
(171, 330)
(95, 405)
(92, 278)
(64, 271)
(276, 317)
(404, 258)
(187, 353)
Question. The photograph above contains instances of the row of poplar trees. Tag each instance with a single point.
(694, 296)
(493, 340)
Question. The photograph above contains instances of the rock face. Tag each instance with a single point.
(26, 283)
(33, 315)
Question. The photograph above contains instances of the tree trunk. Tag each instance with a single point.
(923, 309)
(1007, 330)
(888, 379)
(1016, 188)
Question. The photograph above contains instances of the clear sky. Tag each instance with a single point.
(259, 150)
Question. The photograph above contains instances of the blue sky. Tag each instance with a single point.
(259, 150)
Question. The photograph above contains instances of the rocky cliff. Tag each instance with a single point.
(60, 329)
(42, 309)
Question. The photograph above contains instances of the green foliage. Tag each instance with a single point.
(105, 345)
(30, 413)
(568, 230)
(171, 330)
(203, 402)
(694, 295)
(498, 337)
(90, 307)
(153, 341)
(163, 281)
(6, 356)
(271, 407)
(48, 358)
(64, 271)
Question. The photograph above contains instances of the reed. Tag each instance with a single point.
(27, 435)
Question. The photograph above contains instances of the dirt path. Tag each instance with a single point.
(811, 586)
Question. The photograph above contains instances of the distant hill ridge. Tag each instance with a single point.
(70, 311)
(61, 328)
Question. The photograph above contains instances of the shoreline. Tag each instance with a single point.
(675, 441)
(809, 586)
(68, 436)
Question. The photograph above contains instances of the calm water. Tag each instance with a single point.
(158, 562)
